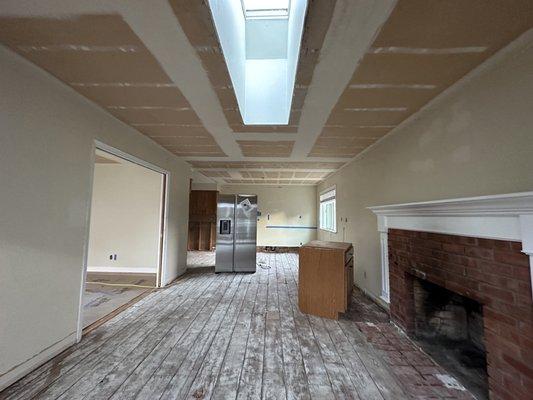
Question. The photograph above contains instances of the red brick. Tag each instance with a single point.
(519, 366)
(439, 237)
(492, 268)
(466, 240)
(453, 248)
(502, 294)
(523, 301)
(506, 319)
(478, 252)
(494, 244)
(522, 273)
(520, 259)
(524, 288)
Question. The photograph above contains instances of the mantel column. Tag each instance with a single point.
(384, 243)
(526, 228)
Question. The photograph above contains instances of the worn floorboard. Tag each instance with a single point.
(225, 336)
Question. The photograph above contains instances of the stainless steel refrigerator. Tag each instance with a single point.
(236, 233)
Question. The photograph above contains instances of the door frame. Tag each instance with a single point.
(163, 227)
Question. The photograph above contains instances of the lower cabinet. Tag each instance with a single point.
(325, 278)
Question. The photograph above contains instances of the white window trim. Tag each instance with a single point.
(320, 226)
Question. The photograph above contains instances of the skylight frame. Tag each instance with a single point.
(262, 56)
(266, 13)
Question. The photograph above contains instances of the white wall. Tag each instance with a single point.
(477, 140)
(125, 218)
(47, 134)
(288, 206)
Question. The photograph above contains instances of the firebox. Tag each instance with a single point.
(464, 286)
(449, 327)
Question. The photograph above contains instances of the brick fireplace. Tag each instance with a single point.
(495, 274)
(472, 258)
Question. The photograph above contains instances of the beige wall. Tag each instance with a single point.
(293, 206)
(47, 134)
(125, 218)
(478, 140)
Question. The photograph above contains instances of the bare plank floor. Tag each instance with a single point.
(224, 336)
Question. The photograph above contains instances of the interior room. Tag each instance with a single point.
(266, 199)
(125, 241)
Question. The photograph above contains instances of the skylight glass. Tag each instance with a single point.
(260, 40)
(256, 9)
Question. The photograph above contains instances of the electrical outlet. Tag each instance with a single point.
(364, 274)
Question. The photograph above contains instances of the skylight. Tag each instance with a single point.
(260, 41)
(265, 8)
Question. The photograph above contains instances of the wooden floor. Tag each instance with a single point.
(105, 292)
(226, 336)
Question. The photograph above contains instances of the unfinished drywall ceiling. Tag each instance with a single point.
(423, 48)
(101, 57)
(258, 148)
(364, 68)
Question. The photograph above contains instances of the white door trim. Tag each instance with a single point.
(98, 145)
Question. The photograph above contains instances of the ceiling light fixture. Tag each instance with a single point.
(260, 42)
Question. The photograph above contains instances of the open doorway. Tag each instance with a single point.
(126, 238)
(202, 229)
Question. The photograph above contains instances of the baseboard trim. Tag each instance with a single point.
(378, 300)
(277, 249)
(124, 270)
(36, 361)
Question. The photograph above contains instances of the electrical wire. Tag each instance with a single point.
(263, 265)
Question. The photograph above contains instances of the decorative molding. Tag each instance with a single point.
(123, 270)
(500, 217)
(501, 204)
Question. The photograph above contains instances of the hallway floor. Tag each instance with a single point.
(242, 336)
(200, 259)
(106, 292)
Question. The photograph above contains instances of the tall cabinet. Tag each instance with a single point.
(202, 219)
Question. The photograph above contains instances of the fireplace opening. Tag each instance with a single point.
(449, 327)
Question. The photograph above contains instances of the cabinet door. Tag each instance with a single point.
(346, 287)
(349, 285)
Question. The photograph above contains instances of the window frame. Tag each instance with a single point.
(321, 212)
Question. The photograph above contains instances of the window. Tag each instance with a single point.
(328, 214)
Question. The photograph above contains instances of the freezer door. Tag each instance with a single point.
(225, 232)
(245, 233)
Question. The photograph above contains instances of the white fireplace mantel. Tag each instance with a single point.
(503, 217)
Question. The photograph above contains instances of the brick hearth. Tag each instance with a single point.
(494, 273)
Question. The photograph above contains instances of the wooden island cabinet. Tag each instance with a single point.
(325, 278)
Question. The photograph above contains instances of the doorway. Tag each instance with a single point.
(126, 245)
(202, 229)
